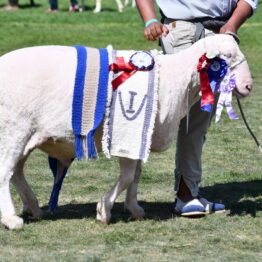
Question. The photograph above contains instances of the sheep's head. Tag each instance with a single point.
(228, 49)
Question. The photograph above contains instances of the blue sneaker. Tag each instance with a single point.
(212, 207)
(188, 209)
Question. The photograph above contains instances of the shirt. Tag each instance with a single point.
(191, 9)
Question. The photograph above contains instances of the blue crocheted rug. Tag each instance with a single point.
(90, 98)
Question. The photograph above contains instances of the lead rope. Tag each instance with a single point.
(247, 126)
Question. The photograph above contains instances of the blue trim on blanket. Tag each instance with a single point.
(78, 99)
(100, 102)
(53, 163)
(148, 113)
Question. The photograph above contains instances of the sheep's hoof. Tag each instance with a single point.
(102, 221)
(136, 211)
(96, 11)
(38, 214)
(35, 215)
(12, 222)
(139, 218)
(101, 214)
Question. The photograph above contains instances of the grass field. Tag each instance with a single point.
(232, 171)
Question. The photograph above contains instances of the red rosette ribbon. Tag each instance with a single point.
(120, 65)
(207, 94)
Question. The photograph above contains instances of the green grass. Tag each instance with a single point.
(232, 171)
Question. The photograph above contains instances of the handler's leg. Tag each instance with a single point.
(189, 165)
(189, 152)
(189, 145)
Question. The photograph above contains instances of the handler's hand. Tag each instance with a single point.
(154, 31)
(228, 27)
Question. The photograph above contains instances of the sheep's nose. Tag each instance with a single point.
(248, 87)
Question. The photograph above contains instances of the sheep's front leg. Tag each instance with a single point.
(127, 174)
(131, 203)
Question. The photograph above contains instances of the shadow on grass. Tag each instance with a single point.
(231, 194)
(239, 197)
(28, 6)
(91, 9)
(154, 211)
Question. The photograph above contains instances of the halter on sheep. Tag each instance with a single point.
(42, 118)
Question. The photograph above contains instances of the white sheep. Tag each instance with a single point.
(119, 3)
(36, 87)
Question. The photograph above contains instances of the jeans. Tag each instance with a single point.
(54, 4)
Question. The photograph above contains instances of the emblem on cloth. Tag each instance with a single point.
(131, 114)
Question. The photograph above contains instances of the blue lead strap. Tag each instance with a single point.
(53, 163)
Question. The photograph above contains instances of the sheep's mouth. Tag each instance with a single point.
(237, 93)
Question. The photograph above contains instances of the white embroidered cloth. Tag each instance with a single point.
(131, 116)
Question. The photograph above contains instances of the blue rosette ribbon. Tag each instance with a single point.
(216, 72)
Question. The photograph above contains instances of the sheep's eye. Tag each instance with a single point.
(227, 56)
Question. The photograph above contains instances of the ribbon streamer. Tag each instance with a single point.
(120, 65)
(207, 95)
(225, 98)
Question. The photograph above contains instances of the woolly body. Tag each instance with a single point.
(36, 86)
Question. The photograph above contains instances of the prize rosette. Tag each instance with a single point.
(142, 61)
(139, 61)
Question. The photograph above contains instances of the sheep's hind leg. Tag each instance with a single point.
(30, 202)
(9, 218)
(127, 174)
(131, 203)
(98, 6)
(8, 214)
(11, 152)
(120, 6)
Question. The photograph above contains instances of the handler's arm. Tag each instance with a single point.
(239, 16)
(147, 11)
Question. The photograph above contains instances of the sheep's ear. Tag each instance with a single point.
(212, 54)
